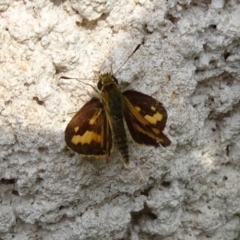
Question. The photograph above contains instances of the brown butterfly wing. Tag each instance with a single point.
(145, 118)
(89, 133)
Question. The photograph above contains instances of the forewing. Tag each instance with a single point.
(89, 133)
(145, 118)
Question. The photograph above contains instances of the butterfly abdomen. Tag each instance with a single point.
(120, 138)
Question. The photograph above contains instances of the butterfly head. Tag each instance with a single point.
(106, 79)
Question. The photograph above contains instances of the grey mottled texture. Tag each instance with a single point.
(190, 61)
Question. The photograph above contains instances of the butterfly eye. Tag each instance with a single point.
(115, 80)
(99, 85)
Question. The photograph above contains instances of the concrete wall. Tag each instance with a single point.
(190, 61)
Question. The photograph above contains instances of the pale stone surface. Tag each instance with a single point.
(189, 61)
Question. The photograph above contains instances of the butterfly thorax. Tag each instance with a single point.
(111, 95)
(113, 103)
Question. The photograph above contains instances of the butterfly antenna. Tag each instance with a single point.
(65, 77)
(112, 69)
(138, 46)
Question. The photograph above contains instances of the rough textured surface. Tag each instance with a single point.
(190, 61)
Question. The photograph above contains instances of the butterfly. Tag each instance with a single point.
(99, 124)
